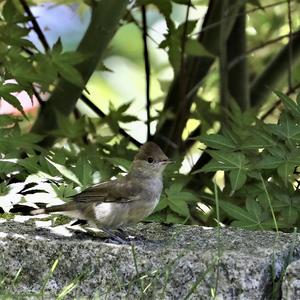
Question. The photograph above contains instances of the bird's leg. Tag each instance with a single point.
(125, 234)
(116, 235)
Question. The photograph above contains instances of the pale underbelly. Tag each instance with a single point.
(114, 215)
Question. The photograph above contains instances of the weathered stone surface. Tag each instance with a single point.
(291, 282)
(164, 262)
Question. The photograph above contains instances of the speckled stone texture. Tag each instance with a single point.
(291, 282)
(163, 262)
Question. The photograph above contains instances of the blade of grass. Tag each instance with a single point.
(269, 202)
(50, 273)
(141, 281)
(218, 238)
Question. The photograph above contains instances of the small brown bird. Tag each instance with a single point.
(124, 201)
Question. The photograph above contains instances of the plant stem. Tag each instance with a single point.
(147, 69)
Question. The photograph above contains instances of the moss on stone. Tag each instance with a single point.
(7, 216)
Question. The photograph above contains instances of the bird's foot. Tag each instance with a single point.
(117, 236)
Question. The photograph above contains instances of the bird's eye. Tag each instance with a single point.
(150, 160)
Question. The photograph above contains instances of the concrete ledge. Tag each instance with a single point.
(291, 282)
(164, 262)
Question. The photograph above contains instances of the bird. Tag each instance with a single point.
(120, 202)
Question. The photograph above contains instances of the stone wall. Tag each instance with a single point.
(162, 262)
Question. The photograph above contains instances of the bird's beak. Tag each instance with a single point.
(167, 161)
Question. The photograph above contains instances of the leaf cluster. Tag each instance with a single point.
(259, 162)
(26, 64)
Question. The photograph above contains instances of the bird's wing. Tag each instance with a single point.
(110, 191)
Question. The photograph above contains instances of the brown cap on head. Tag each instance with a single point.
(151, 150)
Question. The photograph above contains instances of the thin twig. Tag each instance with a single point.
(182, 70)
(183, 39)
(101, 114)
(35, 24)
(278, 102)
(223, 57)
(190, 141)
(192, 137)
(290, 59)
(147, 69)
(258, 47)
(38, 96)
(215, 24)
(182, 54)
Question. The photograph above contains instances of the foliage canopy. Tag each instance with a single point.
(219, 97)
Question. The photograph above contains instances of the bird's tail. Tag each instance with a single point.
(56, 208)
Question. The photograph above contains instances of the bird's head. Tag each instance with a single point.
(150, 161)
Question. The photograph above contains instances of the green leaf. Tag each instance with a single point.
(290, 215)
(5, 93)
(162, 204)
(256, 3)
(118, 161)
(184, 2)
(287, 129)
(4, 189)
(188, 27)
(124, 107)
(57, 47)
(7, 167)
(68, 128)
(64, 191)
(128, 118)
(156, 217)
(259, 139)
(288, 103)
(195, 48)
(254, 208)
(83, 171)
(26, 141)
(298, 99)
(7, 121)
(64, 171)
(225, 161)
(164, 6)
(268, 162)
(285, 170)
(71, 58)
(179, 206)
(47, 167)
(237, 179)
(217, 141)
(173, 218)
(243, 224)
(211, 166)
(30, 164)
(174, 56)
(237, 212)
(174, 189)
(71, 74)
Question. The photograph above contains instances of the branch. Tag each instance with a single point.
(290, 44)
(262, 85)
(236, 60)
(216, 24)
(101, 114)
(104, 22)
(35, 25)
(236, 47)
(189, 142)
(182, 85)
(38, 96)
(224, 97)
(170, 131)
(278, 102)
(147, 70)
(183, 39)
